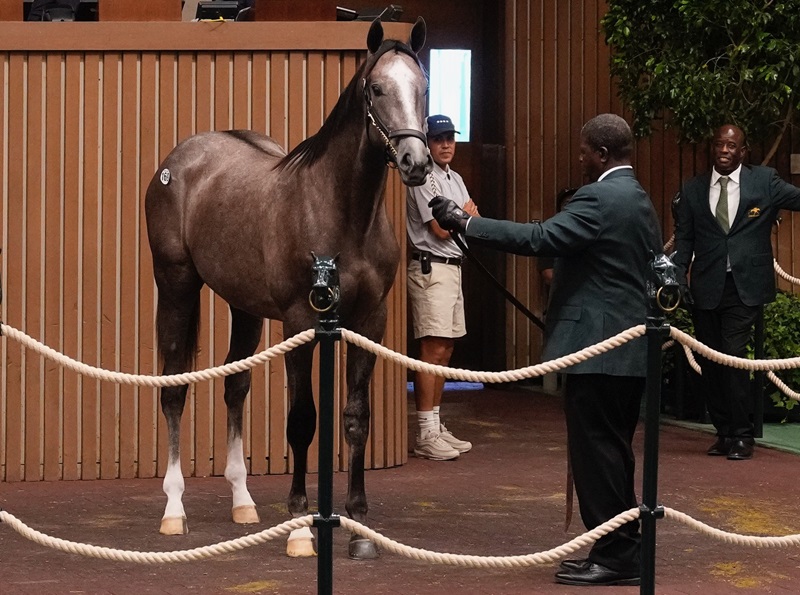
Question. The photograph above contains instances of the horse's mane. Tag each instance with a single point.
(312, 148)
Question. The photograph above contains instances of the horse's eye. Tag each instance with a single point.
(376, 89)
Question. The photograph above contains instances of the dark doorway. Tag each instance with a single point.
(476, 25)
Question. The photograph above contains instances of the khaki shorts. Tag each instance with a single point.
(437, 303)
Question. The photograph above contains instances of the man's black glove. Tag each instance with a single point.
(448, 215)
(686, 297)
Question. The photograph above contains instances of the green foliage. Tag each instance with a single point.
(782, 340)
(698, 64)
(681, 320)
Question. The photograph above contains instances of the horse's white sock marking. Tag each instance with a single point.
(236, 473)
(173, 488)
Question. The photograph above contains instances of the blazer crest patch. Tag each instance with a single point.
(753, 213)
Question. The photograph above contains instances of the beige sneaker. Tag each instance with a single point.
(446, 435)
(432, 447)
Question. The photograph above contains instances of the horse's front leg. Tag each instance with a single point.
(300, 429)
(360, 364)
(243, 508)
(245, 335)
(173, 399)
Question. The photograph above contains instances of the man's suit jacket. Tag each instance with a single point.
(602, 240)
(748, 243)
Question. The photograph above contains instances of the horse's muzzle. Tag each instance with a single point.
(414, 163)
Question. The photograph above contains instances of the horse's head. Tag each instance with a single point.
(395, 89)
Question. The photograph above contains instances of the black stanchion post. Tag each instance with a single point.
(657, 332)
(758, 376)
(324, 299)
(663, 296)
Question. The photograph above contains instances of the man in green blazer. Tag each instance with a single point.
(602, 242)
(723, 220)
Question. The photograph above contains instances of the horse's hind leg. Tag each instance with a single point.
(177, 324)
(300, 429)
(245, 335)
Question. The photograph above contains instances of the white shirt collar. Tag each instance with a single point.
(733, 176)
(608, 171)
(443, 170)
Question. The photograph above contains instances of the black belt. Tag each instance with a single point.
(454, 260)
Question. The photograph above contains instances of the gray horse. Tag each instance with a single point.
(233, 211)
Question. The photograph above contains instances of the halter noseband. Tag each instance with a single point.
(374, 118)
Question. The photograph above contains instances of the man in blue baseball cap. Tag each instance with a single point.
(434, 290)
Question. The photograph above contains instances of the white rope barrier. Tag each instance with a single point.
(781, 386)
(473, 561)
(735, 538)
(692, 361)
(507, 376)
(730, 360)
(687, 342)
(389, 545)
(200, 553)
(725, 359)
(155, 381)
(784, 274)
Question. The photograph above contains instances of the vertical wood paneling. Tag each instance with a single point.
(128, 234)
(90, 312)
(13, 269)
(51, 430)
(34, 214)
(148, 156)
(71, 262)
(558, 78)
(92, 128)
(109, 263)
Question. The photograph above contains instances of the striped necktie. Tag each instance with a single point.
(722, 205)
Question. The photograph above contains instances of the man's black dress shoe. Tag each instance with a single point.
(574, 564)
(596, 574)
(721, 447)
(740, 450)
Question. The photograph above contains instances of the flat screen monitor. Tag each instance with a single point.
(214, 10)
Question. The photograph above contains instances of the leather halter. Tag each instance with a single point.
(373, 118)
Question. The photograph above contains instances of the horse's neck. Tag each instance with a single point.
(359, 171)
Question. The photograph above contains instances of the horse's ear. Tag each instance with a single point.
(418, 32)
(375, 36)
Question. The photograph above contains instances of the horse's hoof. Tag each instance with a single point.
(174, 526)
(301, 544)
(245, 515)
(362, 549)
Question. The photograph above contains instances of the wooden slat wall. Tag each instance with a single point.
(557, 77)
(82, 134)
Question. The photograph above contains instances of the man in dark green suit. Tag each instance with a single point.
(602, 241)
(723, 220)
